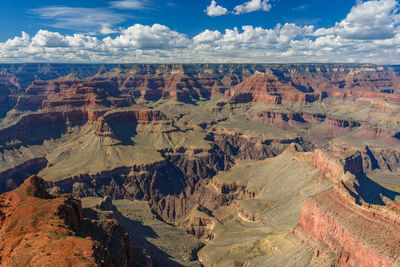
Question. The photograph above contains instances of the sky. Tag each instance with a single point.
(200, 31)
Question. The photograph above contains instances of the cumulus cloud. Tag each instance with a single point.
(253, 37)
(138, 42)
(251, 6)
(49, 39)
(354, 39)
(214, 10)
(207, 37)
(17, 42)
(81, 19)
(370, 20)
(146, 38)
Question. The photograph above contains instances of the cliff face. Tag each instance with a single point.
(128, 117)
(38, 229)
(353, 235)
(345, 225)
(177, 137)
(116, 84)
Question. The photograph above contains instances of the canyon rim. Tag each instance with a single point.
(241, 133)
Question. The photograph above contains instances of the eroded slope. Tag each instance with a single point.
(228, 153)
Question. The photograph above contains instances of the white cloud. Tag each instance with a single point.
(49, 39)
(146, 38)
(370, 20)
(83, 41)
(253, 37)
(97, 20)
(130, 4)
(214, 10)
(343, 42)
(22, 41)
(207, 37)
(251, 6)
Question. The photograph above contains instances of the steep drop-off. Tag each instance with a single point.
(243, 163)
(39, 229)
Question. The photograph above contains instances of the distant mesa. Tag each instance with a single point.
(199, 164)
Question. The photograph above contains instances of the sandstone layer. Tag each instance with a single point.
(39, 229)
(244, 164)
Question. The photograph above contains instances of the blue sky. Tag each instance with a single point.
(200, 31)
(184, 16)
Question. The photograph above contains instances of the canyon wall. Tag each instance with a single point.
(162, 133)
(55, 230)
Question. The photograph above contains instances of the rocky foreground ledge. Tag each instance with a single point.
(37, 229)
(210, 164)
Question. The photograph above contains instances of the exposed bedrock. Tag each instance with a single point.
(240, 146)
(158, 182)
(120, 85)
(378, 158)
(85, 129)
(176, 186)
(34, 128)
(22, 75)
(355, 223)
(199, 224)
(286, 119)
(40, 229)
(347, 172)
(126, 118)
(173, 191)
(349, 234)
(381, 158)
(7, 101)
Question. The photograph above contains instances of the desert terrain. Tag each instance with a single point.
(200, 164)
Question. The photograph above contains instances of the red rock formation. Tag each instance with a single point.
(135, 114)
(293, 119)
(306, 86)
(268, 83)
(245, 83)
(91, 94)
(270, 89)
(7, 77)
(200, 225)
(340, 225)
(37, 229)
(176, 186)
(330, 168)
(354, 235)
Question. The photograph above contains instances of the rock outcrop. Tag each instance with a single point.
(349, 234)
(353, 224)
(206, 146)
(39, 229)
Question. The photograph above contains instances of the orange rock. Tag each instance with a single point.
(354, 235)
(39, 230)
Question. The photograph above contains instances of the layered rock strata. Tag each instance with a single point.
(39, 229)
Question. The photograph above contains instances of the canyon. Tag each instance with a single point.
(200, 164)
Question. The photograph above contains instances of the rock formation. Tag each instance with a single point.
(246, 162)
(39, 229)
(353, 224)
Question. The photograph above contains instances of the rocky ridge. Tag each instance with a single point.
(40, 229)
(168, 134)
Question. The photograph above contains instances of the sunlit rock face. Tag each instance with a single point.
(38, 228)
(244, 164)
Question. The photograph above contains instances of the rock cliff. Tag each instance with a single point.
(213, 150)
(39, 229)
(353, 224)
